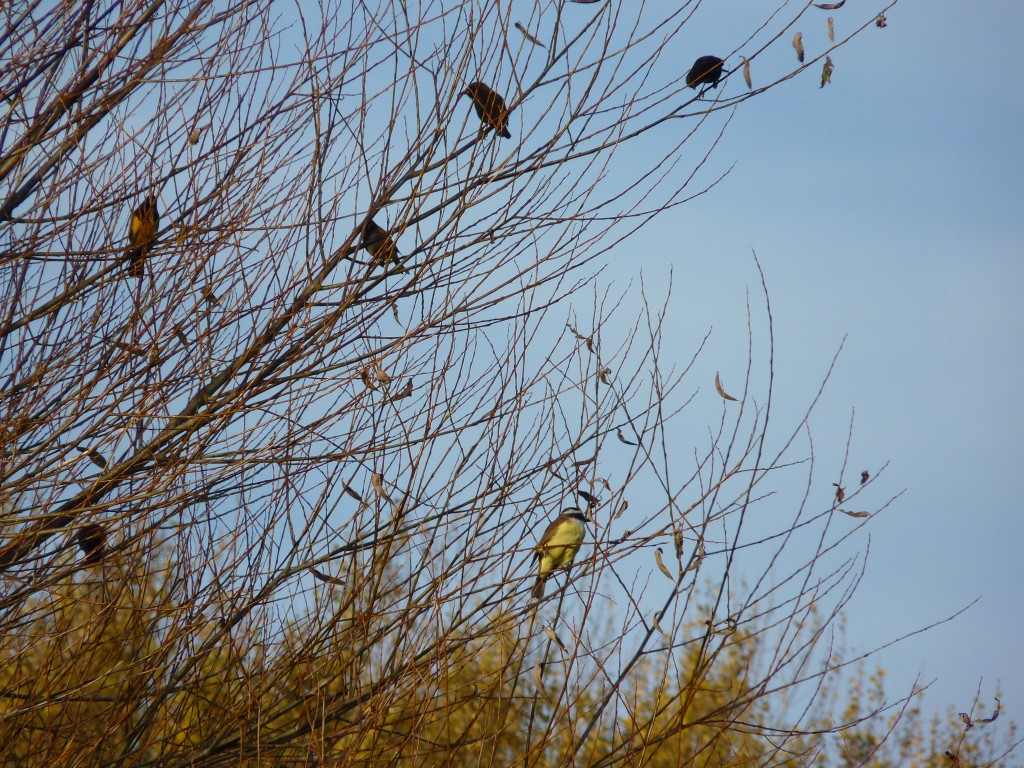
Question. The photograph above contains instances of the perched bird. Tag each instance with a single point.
(558, 546)
(142, 234)
(490, 107)
(707, 70)
(380, 245)
(92, 540)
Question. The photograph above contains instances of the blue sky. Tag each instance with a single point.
(887, 207)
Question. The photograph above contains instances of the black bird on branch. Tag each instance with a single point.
(490, 107)
(707, 70)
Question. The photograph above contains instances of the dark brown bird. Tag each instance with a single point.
(92, 540)
(707, 70)
(142, 235)
(490, 107)
(378, 242)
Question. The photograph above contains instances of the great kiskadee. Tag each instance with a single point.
(559, 545)
(142, 229)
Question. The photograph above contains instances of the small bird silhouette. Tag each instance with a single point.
(707, 70)
(92, 540)
(380, 245)
(490, 107)
(142, 231)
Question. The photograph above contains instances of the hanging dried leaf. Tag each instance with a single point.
(677, 539)
(324, 577)
(657, 625)
(94, 456)
(604, 373)
(746, 73)
(554, 637)
(367, 379)
(528, 36)
(798, 46)
(881, 22)
(864, 477)
(697, 560)
(538, 677)
(967, 720)
(840, 492)
(722, 392)
(830, 6)
(381, 375)
(622, 508)
(406, 392)
(209, 296)
(661, 565)
(180, 335)
(592, 501)
(132, 348)
(855, 514)
(378, 485)
(352, 493)
(622, 438)
(826, 72)
(995, 714)
(831, 29)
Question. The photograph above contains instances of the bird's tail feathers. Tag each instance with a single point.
(538, 588)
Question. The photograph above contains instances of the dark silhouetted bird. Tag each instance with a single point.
(92, 540)
(707, 70)
(381, 246)
(558, 546)
(141, 235)
(490, 107)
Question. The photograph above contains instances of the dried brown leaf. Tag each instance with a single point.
(798, 46)
(94, 456)
(826, 72)
(554, 637)
(995, 714)
(622, 438)
(324, 577)
(721, 391)
(661, 565)
(528, 36)
(406, 392)
(378, 485)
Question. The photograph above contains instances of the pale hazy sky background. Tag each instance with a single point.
(888, 206)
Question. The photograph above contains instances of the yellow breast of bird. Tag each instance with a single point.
(561, 548)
